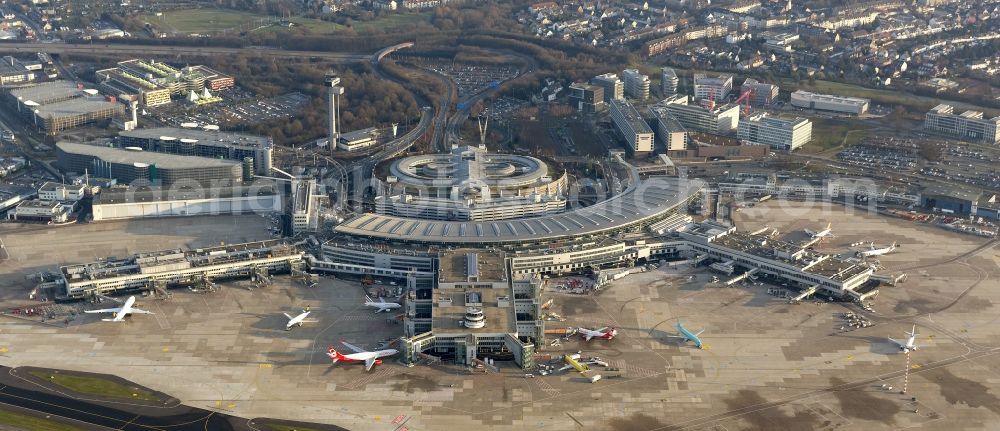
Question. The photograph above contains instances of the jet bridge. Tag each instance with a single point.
(742, 277)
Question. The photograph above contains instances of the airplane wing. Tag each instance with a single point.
(289, 317)
(898, 343)
(589, 336)
(138, 311)
(353, 347)
(369, 363)
(699, 332)
(104, 310)
(381, 308)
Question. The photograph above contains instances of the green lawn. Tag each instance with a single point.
(201, 20)
(96, 386)
(830, 134)
(33, 423)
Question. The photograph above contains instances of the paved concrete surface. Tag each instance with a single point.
(767, 364)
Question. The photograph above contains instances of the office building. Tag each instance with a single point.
(668, 81)
(670, 132)
(207, 142)
(154, 83)
(587, 98)
(614, 88)
(778, 133)
(130, 203)
(705, 117)
(358, 139)
(969, 125)
(41, 211)
(712, 88)
(636, 84)
(632, 127)
(52, 191)
(763, 93)
(14, 71)
(134, 165)
(826, 102)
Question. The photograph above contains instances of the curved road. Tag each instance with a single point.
(147, 50)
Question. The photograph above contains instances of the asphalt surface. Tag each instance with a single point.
(18, 392)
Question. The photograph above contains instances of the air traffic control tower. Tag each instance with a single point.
(334, 93)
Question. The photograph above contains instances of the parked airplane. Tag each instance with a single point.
(122, 311)
(688, 336)
(297, 320)
(369, 358)
(828, 232)
(603, 333)
(878, 251)
(910, 343)
(381, 304)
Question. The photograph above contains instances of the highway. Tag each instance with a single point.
(168, 50)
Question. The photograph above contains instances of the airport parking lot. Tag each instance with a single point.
(767, 364)
(239, 111)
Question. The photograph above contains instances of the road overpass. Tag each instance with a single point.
(169, 50)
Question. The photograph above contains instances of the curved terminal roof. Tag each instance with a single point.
(652, 199)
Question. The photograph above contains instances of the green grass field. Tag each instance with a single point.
(830, 135)
(32, 423)
(206, 21)
(96, 386)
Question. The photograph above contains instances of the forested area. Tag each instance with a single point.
(368, 101)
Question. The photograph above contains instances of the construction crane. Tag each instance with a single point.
(745, 97)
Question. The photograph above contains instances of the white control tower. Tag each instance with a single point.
(333, 93)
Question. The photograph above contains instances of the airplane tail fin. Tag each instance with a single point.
(333, 354)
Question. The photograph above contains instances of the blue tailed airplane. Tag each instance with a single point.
(688, 336)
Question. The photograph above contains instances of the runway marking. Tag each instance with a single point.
(546, 387)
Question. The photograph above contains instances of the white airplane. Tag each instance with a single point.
(828, 232)
(297, 320)
(910, 343)
(878, 251)
(361, 355)
(604, 333)
(122, 311)
(381, 304)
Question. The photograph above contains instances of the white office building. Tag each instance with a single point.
(969, 125)
(614, 88)
(632, 126)
(778, 133)
(636, 84)
(707, 117)
(670, 132)
(715, 88)
(668, 81)
(826, 102)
